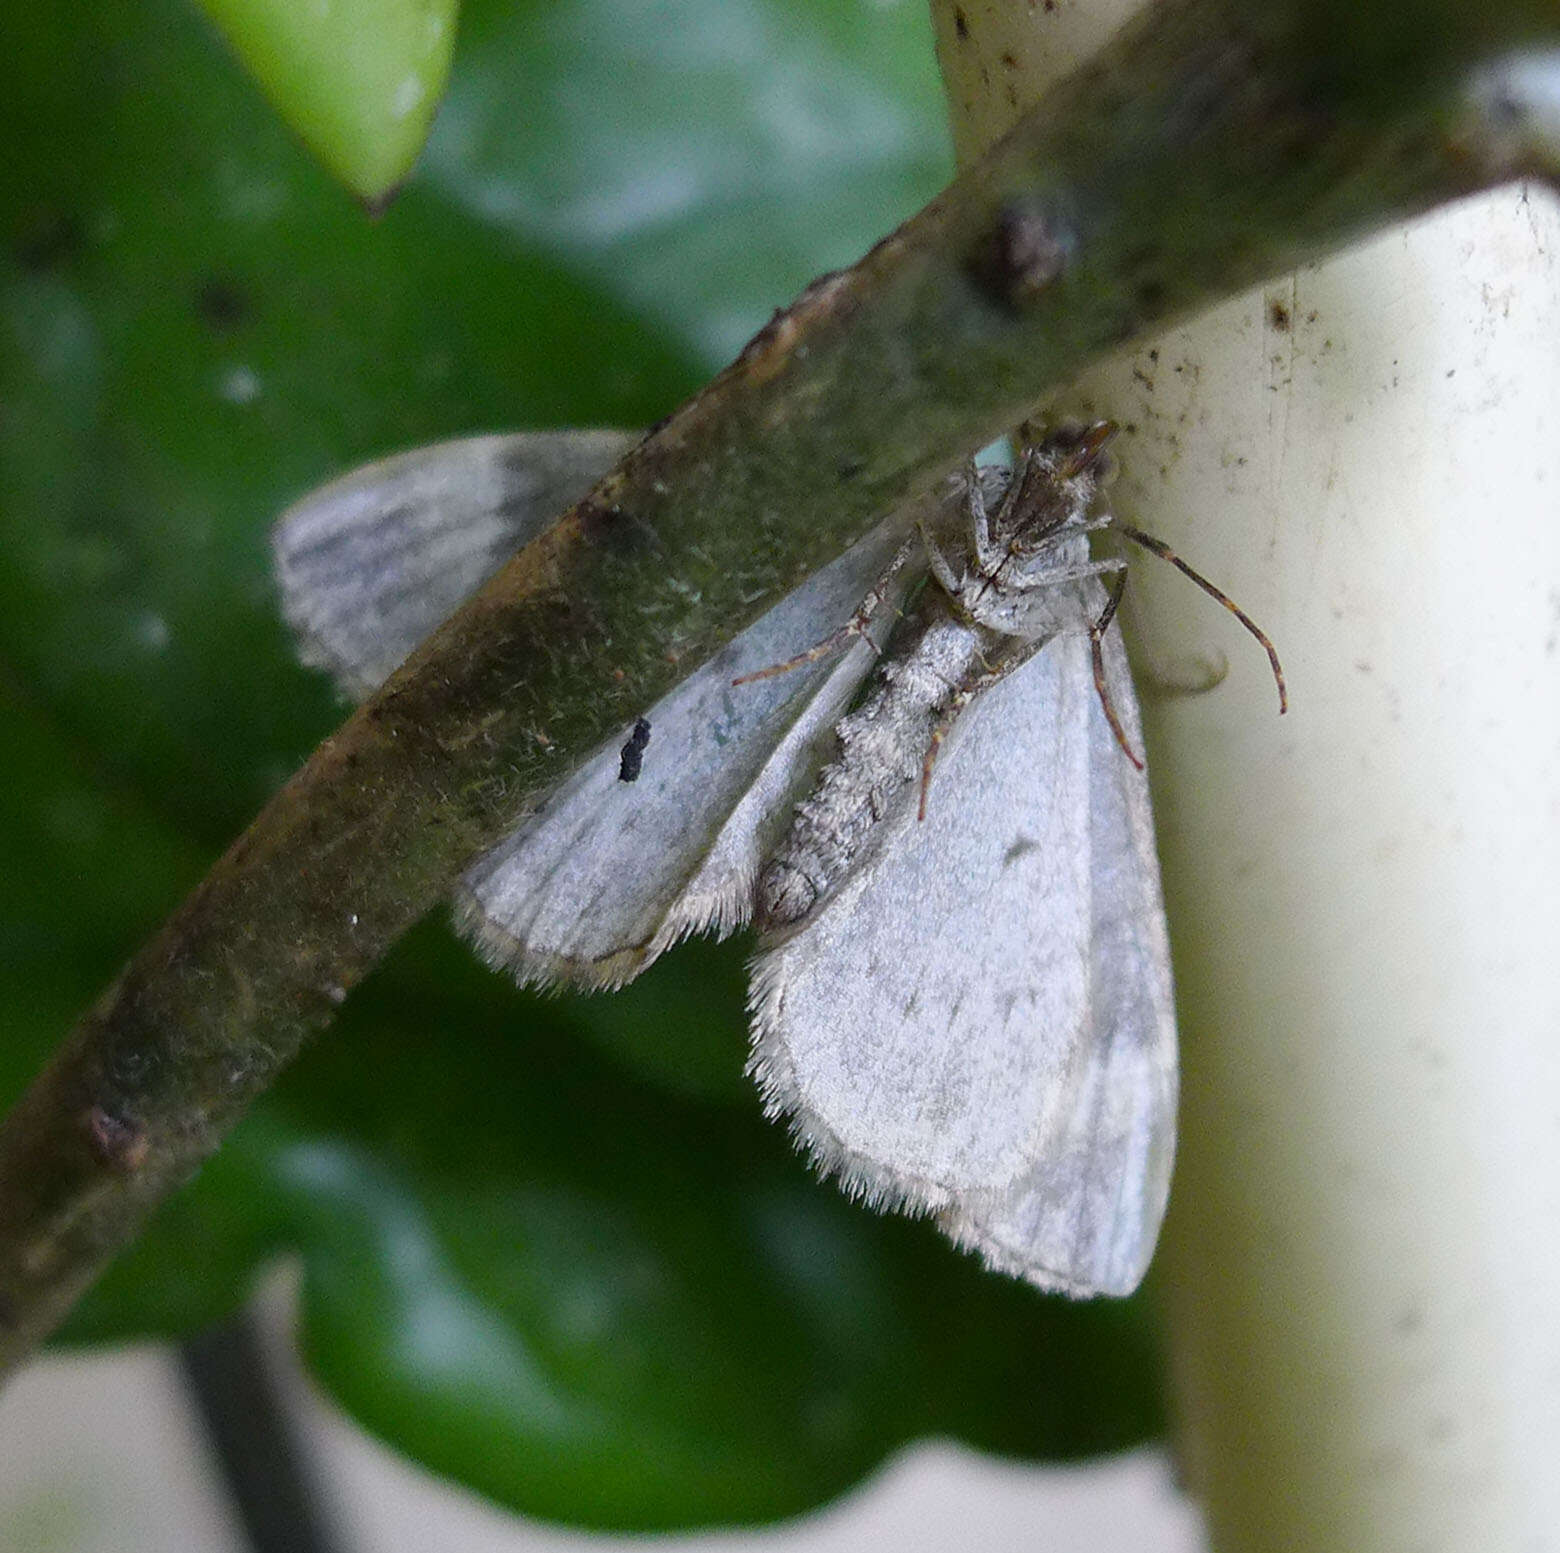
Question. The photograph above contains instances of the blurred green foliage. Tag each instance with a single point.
(549, 1246)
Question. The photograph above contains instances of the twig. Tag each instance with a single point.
(263, 1463)
(1211, 145)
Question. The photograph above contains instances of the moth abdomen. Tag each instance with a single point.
(785, 894)
(882, 747)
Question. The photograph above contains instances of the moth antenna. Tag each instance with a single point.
(1165, 553)
(1097, 652)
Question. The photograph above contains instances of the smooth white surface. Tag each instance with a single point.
(1362, 1252)
(99, 1454)
(936, 1498)
(1365, 899)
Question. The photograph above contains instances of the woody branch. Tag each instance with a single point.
(1211, 145)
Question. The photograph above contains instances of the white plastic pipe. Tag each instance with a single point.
(1362, 1261)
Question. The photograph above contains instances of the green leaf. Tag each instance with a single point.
(602, 1304)
(700, 161)
(690, 1327)
(359, 80)
(550, 1246)
(197, 326)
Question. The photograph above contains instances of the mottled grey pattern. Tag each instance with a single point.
(970, 1012)
(606, 876)
(967, 1014)
(881, 748)
(978, 1021)
(1003, 562)
(369, 564)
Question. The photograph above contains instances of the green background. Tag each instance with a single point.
(549, 1246)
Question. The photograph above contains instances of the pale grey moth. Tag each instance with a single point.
(962, 1005)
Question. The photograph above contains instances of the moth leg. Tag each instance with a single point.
(991, 555)
(941, 569)
(1097, 652)
(1015, 658)
(857, 625)
(1028, 582)
(981, 520)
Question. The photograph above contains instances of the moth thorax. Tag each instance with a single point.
(785, 894)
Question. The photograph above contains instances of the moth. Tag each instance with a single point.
(961, 997)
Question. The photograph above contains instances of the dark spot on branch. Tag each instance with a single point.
(614, 529)
(117, 1141)
(223, 304)
(961, 25)
(1021, 255)
(1278, 317)
(849, 468)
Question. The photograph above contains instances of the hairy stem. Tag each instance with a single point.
(1211, 145)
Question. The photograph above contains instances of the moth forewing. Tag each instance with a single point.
(920, 1027)
(605, 876)
(591, 888)
(979, 1023)
(1086, 1216)
(368, 565)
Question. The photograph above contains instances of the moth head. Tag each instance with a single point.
(1054, 484)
